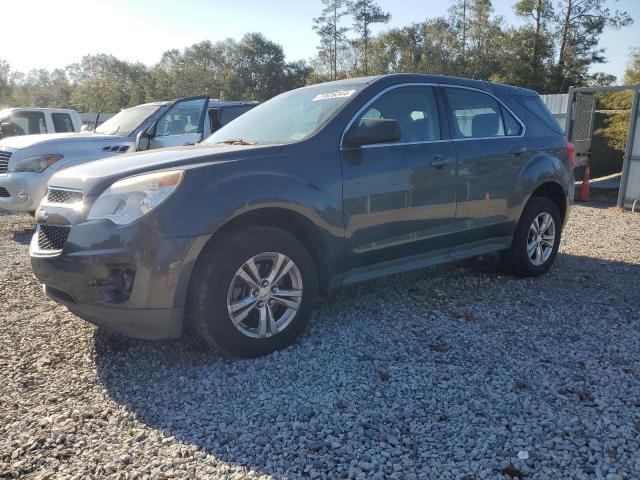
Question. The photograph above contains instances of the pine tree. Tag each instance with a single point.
(332, 34)
(366, 13)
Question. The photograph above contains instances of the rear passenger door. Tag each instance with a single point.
(491, 151)
(399, 198)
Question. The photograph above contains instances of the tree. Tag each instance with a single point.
(632, 73)
(578, 28)
(616, 125)
(332, 34)
(537, 35)
(459, 20)
(366, 13)
(5, 87)
(262, 69)
(105, 83)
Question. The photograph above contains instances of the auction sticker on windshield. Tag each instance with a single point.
(330, 95)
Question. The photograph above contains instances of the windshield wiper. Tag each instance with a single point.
(236, 141)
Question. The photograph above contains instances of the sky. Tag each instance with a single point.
(140, 30)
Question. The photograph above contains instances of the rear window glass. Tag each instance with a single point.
(62, 122)
(478, 115)
(231, 113)
(538, 109)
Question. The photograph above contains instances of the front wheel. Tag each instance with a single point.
(252, 291)
(536, 241)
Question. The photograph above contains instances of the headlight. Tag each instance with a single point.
(131, 198)
(35, 164)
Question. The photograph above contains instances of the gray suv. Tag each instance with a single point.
(319, 187)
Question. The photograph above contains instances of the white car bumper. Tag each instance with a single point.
(22, 191)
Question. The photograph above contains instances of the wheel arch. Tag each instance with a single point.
(554, 192)
(289, 221)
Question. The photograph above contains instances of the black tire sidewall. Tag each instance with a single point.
(214, 273)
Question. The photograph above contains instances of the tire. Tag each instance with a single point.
(218, 286)
(517, 259)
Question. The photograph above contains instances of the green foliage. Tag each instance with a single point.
(366, 13)
(552, 49)
(578, 28)
(632, 73)
(252, 69)
(617, 106)
(332, 36)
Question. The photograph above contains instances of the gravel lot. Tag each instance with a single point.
(453, 372)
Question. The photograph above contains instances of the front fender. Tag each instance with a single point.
(215, 193)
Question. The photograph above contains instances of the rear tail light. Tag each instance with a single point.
(571, 155)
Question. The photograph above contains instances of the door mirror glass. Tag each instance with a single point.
(370, 131)
(143, 139)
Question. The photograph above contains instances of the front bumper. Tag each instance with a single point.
(124, 278)
(25, 190)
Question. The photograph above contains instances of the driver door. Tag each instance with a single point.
(181, 124)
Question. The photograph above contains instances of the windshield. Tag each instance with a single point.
(126, 122)
(287, 118)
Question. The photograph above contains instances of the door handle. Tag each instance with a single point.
(439, 162)
(518, 150)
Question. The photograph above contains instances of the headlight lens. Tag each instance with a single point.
(129, 199)
(35, 164)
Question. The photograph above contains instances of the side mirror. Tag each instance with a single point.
(143, 139)
(371, 131)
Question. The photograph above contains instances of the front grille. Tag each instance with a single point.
(4, 161)
(59, 195)
(52, 237)
(4, 193)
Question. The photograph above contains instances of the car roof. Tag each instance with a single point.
(36, 109)
(395, 78)
(213, 103)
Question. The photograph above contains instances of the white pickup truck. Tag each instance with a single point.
(30, 121)
(27, 162)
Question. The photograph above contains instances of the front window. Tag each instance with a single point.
(127, 121)
(414, 108)
(25, 123)
(290, 117)
(181, 119)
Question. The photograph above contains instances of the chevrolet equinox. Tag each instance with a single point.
(319, 187)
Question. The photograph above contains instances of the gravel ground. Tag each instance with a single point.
(453, 372)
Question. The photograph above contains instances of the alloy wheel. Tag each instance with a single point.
(541, 238)
(264, 295)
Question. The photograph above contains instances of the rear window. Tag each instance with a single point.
(478, 115)
(536, 107)
(228, 114)
(62, 122)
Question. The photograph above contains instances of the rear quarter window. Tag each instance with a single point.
(539, 114)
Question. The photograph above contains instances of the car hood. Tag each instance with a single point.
(54, 139)
(95, 176)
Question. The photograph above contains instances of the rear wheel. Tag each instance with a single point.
(536, 241)
(252, 291)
